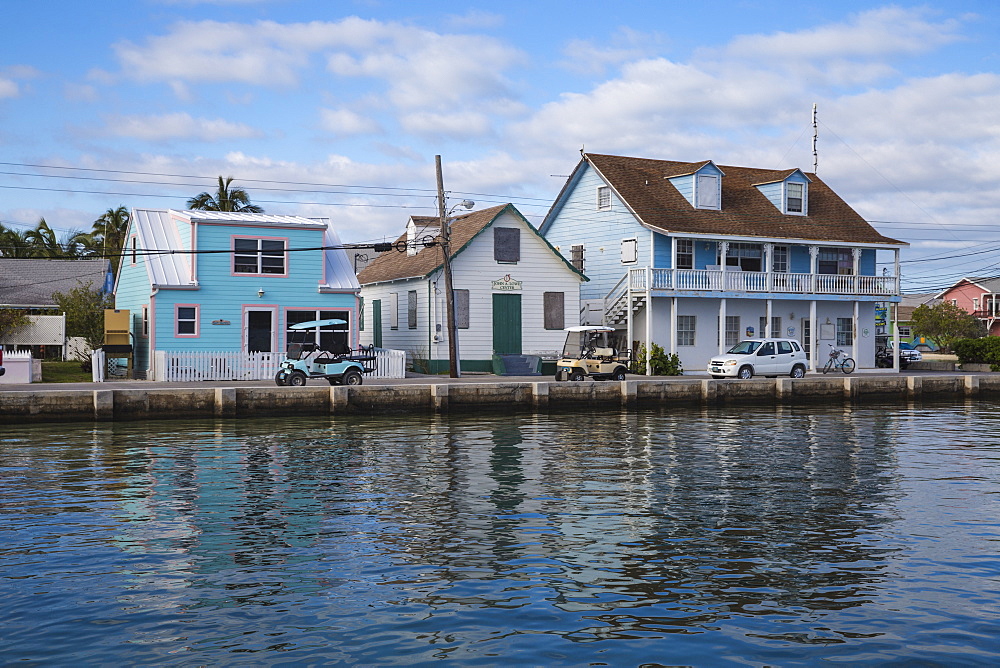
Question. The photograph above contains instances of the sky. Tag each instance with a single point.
(337, 108)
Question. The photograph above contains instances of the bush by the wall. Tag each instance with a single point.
(979, 351)
(661, 362)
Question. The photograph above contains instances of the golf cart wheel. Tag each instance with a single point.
(332, 380)
(280, 379)
(576, 376)
(798, 371)
(619, 374)
(745, 373)
(296, 379)
(351, 377)
(559, 376)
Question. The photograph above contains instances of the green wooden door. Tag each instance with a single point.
(377, 322)
(507, 324)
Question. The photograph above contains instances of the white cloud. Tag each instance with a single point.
(475, 19)
(459, 125)
(625, 45)
(9, 76)
(345, 123)
(178, 125)
(8, 88)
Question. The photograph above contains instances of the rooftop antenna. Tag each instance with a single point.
(815, 137)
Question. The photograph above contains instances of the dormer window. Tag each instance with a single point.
(603, 198)
(706, 194)
(795, 198)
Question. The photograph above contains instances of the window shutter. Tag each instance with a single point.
(554, 305)
(630, 252)
(461, 308)
(708, 191)
(506, 244)
(576, 257)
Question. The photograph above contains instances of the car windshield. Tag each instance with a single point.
(744, 347)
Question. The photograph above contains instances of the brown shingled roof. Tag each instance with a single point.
(393, 265)
(642, 183)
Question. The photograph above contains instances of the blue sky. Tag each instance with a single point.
(338, 108)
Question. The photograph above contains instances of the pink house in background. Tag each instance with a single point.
(978, 296)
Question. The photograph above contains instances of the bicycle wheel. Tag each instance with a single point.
(848, 365)
(829, 365)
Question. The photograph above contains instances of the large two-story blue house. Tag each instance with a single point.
(696, 256)
(210, 281)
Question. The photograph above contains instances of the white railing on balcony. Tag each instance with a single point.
(757, 281)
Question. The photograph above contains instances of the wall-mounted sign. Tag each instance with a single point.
(791, 332)
(221, 322)
(506, 284)
(749, 331)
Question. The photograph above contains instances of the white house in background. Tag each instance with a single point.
(514, 293)
(695, 256)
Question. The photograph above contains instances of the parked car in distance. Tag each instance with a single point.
(760, 357)
(907, 351)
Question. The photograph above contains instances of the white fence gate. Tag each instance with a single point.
(188, 366)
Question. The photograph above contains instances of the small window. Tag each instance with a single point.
(795, 195)
(707, 194)
(411, 309)
(554, 307)
(775, 327)
(603, 198)
(258, 256)
(145, 321)
(506, 244)
(394, 312)
(835, 261)
(766, 349)
(845, 331)
(686, 330)
(732, 330)
(630, 250)
(133, 249)
(461, 308)
(779, 260)
(685, 254)
(904, 332)
(186, 320)
(576, 257)
(795, 347)
(784, 348)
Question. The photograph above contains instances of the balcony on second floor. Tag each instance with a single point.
(735, 280)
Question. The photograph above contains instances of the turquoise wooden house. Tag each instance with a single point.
(223, 288)
(695, 256)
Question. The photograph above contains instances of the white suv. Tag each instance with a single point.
(760, 357)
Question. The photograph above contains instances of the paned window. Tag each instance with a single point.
(576, 257)
(461, 308)
(554, 307)
(779, 261)
(145, 321)
(685, 254)
(506, 244)
(686, 330)
(411, 309)
(603, 198)
(732, 330)
(331, 338)
(795, 195)
(743, 255)
(905, 332)
(394, 312)
(186, 320)
(835, 261)
(258, 256)
(630, 250)
(845, 331)
(775, 327)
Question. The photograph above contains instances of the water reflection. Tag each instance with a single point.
(370, 540)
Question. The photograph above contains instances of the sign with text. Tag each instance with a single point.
(506, 284)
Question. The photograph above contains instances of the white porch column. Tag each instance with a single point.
(722, 325)
(767, 319)
(723, 252)
(673, 325)
(857, 334)
(767, 265)
(813, 267)
(813, 336)
(895, 332)
(855, 280)
(649, 322)
(895, 291)
(628, 312)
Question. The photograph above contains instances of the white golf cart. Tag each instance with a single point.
(589, 352)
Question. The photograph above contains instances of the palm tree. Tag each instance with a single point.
(111, 229)
(14, 243)
(43, 240)
(234, 200)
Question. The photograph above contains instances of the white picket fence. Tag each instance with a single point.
(189, 366)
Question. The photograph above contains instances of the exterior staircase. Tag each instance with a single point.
(517, 365)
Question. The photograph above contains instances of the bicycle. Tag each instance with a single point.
(838, 361)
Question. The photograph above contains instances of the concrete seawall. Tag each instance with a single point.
(242, 402)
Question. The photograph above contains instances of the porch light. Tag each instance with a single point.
(260, 292)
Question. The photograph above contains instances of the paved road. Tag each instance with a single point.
(411, 379)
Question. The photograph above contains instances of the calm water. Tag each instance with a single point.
(772, 536)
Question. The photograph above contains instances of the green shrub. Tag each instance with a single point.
(979, 351)
(662, 363)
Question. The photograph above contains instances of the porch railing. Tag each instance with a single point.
(191, 366)
(756, 281)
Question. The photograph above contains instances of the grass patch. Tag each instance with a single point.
(64, 372)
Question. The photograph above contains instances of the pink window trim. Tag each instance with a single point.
(197, 321)
(232, 247)
(354, 336)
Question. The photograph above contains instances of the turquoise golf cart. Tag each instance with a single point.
(304, 359)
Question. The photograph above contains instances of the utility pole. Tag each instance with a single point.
(453, 365)
(815, 138)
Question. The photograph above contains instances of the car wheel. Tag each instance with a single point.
(745, 372)
(576, 375)
(297, 379)
(280, 379)
(798, 371)
(619, 374)
(351, 377)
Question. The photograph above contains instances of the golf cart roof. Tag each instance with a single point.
(312, 324)
(589, 328)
